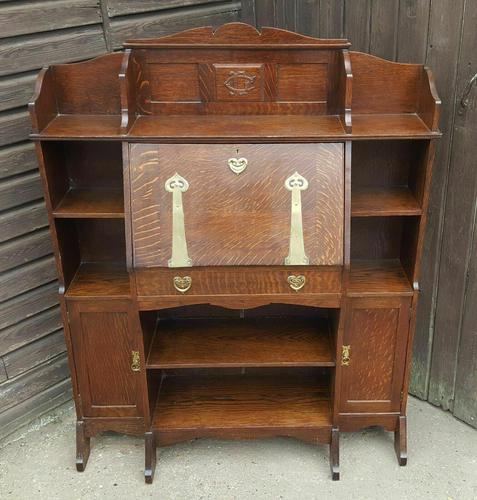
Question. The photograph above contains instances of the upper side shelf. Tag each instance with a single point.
(292, 88)
(402, 92)
(89, 88)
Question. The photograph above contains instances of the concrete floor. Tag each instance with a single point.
(442, 464)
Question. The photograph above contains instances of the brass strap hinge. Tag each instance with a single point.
(180, 258)
(296, 254)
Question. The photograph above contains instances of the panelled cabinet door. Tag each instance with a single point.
(106, 358)
(373, 355)
(242, 204)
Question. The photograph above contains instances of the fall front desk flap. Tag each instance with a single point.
(236, 205)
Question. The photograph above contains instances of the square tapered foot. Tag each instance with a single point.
(400, 441)
(150, 457)
(82, 446)
(335, 454)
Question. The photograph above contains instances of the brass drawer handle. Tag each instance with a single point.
(345, 355)
(296, 282)
(182, 284)
(237, 165)
(136, 361)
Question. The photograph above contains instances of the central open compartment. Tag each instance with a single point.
(268, 368)
(269, 336)
(274, 403)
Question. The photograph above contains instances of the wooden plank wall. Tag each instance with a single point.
(34, 374)
(442, 35)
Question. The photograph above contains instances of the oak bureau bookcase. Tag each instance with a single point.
(238, 221)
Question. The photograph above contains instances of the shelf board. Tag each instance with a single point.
(224, 128)
(82, 127)
(91, 203)
(372, 202)
(254, 342)
(378, 277)
(242, 402)
(100, 280)
(392, 126)
(237, 127)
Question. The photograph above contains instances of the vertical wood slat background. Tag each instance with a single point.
(33, 368)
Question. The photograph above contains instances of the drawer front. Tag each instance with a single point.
(200, 282)
(229, 205)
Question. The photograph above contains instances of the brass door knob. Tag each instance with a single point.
(296, 282)
(182, 283)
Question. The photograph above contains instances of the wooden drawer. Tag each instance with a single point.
(235, 203)
(239, 288)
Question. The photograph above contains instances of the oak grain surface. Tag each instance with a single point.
(237, 219)
(242, 402)
(241, 343)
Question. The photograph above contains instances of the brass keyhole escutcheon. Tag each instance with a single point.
(296, 282)
(237, 165)
(136, 361)
(182, 283)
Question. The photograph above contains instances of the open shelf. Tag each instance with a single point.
(378, 277)
(265, 128)
(77, 126)
(391, 126)
(201, 343)
(242, 402)
(91, 203)
(236, 127)
(383, 201)
(99, 279)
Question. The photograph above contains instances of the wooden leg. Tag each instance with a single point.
(150, 450)
(400, 441)
(335, 454)
(82, 446)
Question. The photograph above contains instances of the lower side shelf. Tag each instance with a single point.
(243, 406)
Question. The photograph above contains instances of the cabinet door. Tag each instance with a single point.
(228, 205)
(103, 336)
(376, 335)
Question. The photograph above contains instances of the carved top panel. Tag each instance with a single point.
(238, 35)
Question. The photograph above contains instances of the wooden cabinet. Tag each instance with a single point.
(373, 355)
(107, 356)
(238, 219)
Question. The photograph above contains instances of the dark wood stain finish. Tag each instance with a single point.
(360, 129)
(224, 211)
(256, 342)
